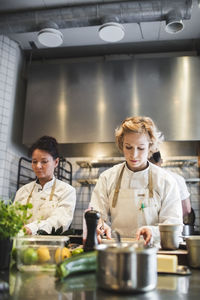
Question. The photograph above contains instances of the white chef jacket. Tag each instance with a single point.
(181, 184)
(164, 207)
(48, 213)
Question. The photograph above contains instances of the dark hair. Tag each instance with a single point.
(156, 157)
(46, 143)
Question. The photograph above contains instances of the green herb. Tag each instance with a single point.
(12, 218)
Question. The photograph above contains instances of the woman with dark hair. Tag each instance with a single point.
(53, 200)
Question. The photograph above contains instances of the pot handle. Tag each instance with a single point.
(117, 236)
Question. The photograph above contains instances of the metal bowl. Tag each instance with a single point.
(193, 247)
(170, 236)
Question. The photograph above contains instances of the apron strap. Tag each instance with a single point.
(115, 197)
(117, 188)
(30, 195)
(52, 190)
(150, 184)
(51, 195)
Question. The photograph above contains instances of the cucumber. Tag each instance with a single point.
(85, 262)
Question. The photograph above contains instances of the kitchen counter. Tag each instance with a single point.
(41, 285)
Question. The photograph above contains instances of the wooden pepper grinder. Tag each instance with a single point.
(91, 218)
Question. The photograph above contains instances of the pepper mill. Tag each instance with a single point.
(91, 218)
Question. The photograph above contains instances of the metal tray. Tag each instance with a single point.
(181, 270)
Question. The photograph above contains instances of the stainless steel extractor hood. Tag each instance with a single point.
(83, 101)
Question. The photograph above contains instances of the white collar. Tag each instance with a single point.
(47, 185)
(139, 173)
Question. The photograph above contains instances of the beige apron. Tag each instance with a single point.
(50, 197)
(42, 209)
(133, 208)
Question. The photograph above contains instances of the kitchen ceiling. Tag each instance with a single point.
(144, 26)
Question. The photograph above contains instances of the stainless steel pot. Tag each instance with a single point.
(188, 230)
(193, 247)
(124, 267)
(169, 236)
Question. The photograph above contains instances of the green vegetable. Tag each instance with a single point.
(77, 251)
(77, 264)
(78, 282)
(12, 218)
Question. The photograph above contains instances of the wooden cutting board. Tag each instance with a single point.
(123, 240)
(173, 252)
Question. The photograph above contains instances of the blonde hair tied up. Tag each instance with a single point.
(143, 125)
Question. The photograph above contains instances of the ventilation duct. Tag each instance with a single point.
(174, 22)
(91, 13)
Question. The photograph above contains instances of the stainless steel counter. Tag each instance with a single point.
(44, 286)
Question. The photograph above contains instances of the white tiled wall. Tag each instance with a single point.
(9, 154)
(84, 192)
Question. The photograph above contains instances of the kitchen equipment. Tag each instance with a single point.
(188, 230)
(169, 236)
(126, 267)
(40, 253)
(91, 217)
(193, 246)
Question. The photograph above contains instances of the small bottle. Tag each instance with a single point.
(91, 218)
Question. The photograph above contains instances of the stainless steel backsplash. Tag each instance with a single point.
(81, 102)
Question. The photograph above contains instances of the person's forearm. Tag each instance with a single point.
(186, 206)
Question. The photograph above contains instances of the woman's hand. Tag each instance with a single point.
(27, 230)
(103, 230)
(145, 232)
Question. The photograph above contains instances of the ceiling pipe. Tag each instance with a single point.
(92, 14)
(174, 22)
(59, 4)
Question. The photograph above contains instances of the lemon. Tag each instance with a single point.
(30, 256)
(61, 254)
(43, 254)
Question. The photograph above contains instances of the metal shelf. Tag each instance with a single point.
(26, 174)
(86, 182)
(98, 163)
(179, 163)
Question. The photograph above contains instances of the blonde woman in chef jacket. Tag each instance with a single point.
(53, 200)
(134, 196)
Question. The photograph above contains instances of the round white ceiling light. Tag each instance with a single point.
(111, 32)
(50, 37)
